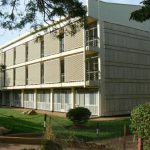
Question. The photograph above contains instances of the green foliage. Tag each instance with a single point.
(78, 115)
(140, 123)
(143, 13)
(16, 14)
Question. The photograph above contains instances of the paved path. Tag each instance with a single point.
(6, 146)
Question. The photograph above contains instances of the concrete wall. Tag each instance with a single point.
(127, 68)
(115, 13)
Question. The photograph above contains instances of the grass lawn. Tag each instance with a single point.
(21, 123)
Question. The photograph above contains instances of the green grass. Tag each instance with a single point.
(21, 123)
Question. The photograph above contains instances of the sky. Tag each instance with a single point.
(6, 35)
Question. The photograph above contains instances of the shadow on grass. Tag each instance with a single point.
(107, 130)
(18, 125)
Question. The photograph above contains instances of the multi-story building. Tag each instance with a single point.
(105, 68)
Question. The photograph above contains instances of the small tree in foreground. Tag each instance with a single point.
(140, 124)
(79, 115)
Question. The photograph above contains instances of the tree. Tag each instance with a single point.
(143, 13)
(16, 14)
(140, 123)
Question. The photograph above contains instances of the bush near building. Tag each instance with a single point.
(78, 115)
(140, 123)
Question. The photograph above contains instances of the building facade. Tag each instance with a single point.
(105, 68)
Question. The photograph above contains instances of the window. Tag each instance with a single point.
(42, 73)
(42, 46)
(26, 75)
(4, 57)
(14, 80)
(62, 71)
(61, 43)
(14, 56)
(26, 51)
(29, 95)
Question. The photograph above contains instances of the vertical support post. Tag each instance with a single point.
(99, 67)
(84, 56)
(35, 99)
(11, 99)
(52, 100)
(45, 118)
(22, 98)
(72, 98)
(124, 138)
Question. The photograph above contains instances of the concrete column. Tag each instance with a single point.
(22, 98)
(11, 98)
(35, 98)
(52, 100)
(99, 103)
(72, 98)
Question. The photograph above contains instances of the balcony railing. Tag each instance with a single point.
(93, 43)
(92, 75)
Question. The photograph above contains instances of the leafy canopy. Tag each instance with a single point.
(140, 123)
(143, 13)
(16, 14)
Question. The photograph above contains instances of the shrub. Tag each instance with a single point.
(140, 123)
(78, 115)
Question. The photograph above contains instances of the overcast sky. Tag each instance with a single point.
(6, 36)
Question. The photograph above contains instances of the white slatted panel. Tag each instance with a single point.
(20, 76)
(52, 71)
(51, 44)
(9, 57)
(74, 68)
(72, 42)
(34, 74)
(34, 50)
(9, 77)
(20, 54)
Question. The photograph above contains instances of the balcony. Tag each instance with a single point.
(92, 40)
(92, 78)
